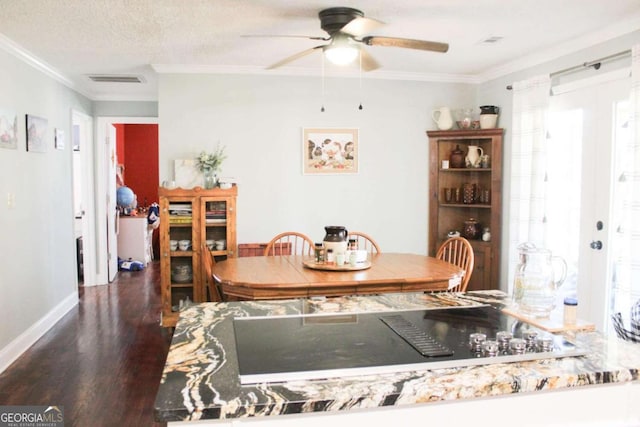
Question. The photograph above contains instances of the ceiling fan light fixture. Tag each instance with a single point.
(341, 54)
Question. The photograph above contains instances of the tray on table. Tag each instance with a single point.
(311, 263)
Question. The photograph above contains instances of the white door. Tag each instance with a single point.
(82, 126)
(112, 214)
(580, 186)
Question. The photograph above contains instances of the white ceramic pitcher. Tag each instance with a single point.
(473, 155)
(442, 117)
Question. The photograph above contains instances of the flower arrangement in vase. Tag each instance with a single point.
(209, 164)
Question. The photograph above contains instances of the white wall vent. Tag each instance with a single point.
(116, 78)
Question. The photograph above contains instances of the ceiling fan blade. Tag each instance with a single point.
(361, 26)
(406, 43)
(293, 57)
(368, 63)
(290, 36)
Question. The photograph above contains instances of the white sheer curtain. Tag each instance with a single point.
(528, 166)
(627, 239)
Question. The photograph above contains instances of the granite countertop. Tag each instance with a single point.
(201, 380)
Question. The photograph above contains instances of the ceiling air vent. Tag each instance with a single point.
(116, 78)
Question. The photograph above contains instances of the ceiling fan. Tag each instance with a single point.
(348, 30)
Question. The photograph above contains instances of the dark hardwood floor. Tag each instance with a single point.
(102, 361)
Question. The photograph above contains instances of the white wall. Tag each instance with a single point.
(125, 109)
(37, 247)
(259, 119)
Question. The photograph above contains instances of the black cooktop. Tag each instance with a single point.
(276, 349)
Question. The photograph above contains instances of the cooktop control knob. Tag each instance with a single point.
(476, 340)
(517, 346)
(490, 348)
(503, 338)
(530, 338)
(544, 343)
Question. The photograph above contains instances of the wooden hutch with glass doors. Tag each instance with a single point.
(189, 218)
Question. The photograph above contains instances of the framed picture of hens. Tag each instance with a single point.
(329, 151)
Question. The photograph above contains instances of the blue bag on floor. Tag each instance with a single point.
(129, 265)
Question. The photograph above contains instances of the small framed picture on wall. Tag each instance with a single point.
(330, 151)
(59, 135)
(36, 134)
(8, 129)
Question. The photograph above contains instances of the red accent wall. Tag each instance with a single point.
(141, 161)
(120, 145)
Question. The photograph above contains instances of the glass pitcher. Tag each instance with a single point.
(535, 287)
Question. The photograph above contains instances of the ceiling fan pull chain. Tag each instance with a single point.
(360, 76)
(322, 106)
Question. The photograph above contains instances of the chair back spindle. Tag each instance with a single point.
(458, 251)
(289, 243)
(365, 242)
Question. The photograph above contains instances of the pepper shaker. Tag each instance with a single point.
(319, 253)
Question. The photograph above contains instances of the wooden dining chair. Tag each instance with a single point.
(458, 251)
(289, 243)
(208, 262)
(365, 242)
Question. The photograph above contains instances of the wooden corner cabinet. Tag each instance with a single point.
(459, 195)
(189, 218)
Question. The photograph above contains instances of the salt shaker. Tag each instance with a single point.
(570, 311)
(330, 258)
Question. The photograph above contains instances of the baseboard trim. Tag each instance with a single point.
(15, 348)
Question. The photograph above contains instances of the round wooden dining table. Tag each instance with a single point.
(280, 277)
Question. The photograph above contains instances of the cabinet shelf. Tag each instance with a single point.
(480, 243)
(445, 217)
(465, 170)
(181, 285)
(465, 205)
(182, 254)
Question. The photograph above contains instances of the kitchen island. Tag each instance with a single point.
(201, 379)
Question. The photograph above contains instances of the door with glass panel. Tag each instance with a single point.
(587, 139)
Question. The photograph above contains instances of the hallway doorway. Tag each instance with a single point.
(104, 175)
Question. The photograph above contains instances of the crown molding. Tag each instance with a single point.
(24, 55)
(313, 72)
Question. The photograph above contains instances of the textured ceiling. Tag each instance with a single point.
(80, 37)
